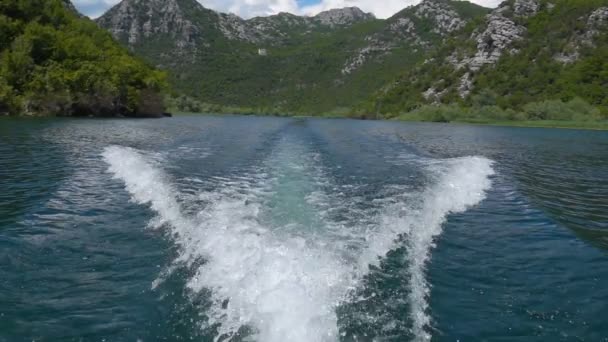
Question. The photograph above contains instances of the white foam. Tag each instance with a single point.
(287, 286)
(145, 182)
(458, 184)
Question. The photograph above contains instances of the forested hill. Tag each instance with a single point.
(538, 58)
(53, 61)
(283, 63)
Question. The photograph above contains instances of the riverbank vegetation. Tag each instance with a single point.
(53, 62)
(576, 113)
(576, 109)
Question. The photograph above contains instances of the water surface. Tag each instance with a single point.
(267, 229)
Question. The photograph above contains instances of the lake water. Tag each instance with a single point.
(267, 229)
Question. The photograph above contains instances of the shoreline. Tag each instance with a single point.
(553, 124)
(577, 125)
(548, 124)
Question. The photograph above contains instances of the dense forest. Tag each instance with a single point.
(55, 62)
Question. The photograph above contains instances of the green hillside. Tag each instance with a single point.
(54, 62)
(557, 69)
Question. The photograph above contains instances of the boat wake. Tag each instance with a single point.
(265, 246)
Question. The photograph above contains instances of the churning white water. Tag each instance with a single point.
(273, 261)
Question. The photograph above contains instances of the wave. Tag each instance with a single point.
(457, 184)
(271, 267)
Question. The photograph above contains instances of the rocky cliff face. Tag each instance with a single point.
(277, 28)
(498, 36)
(410, 27)
(525, 8)
(504, 27)
(342, 17)
(188, 23)
(132, 21)
(443, 17)
(494, 40)
(595, 24)
(523, 51)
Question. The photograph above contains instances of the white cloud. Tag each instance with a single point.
(252, 8)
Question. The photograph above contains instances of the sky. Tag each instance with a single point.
(252, 8)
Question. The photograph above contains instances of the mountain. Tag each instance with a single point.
(55, 62)
(526, 59)
(284, 62)
(524, 53)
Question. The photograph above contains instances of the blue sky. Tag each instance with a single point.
(251, 8)
(308, 2)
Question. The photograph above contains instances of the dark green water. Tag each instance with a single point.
(268, 229)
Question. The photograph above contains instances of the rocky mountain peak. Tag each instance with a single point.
(275, 29)
(131, 21)
(343, 16)
(442, 14)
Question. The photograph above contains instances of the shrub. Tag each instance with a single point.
(491, 112)
(53, 62)
(435, 113)
(576, 109)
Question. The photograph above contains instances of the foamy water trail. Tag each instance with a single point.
(280, 282)
(458, 184)
(286, 288)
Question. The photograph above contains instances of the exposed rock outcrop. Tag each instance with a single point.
(498, 37)
(445, 19)
(376, 47)
(595, 24)
(526, 8)
(466, 85)
(438, 14)
(135, 20)
(495, 40)
(342, 17)
(235, 28)
(271, 30)
(500, 33)
(433, 95)
(276, 28)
